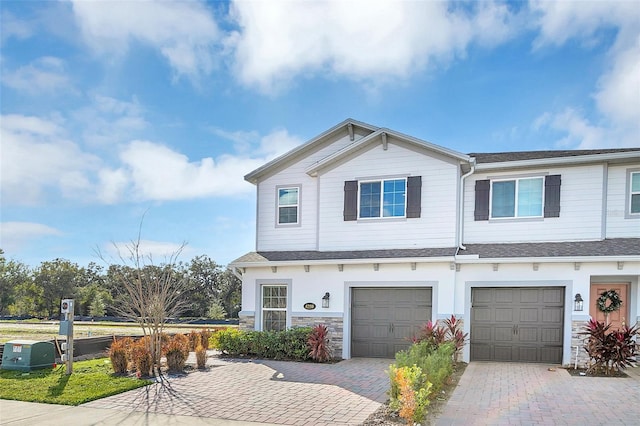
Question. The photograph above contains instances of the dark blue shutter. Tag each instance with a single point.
(350, 200)
(414, 196)
(482, 200)
(552, 196)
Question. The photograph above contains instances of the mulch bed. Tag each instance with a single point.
(582, 372)
(384, 416)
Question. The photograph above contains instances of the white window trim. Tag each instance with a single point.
(382, 181)
(298, 216)
(258, 299)
(629, 193)
(517, 180)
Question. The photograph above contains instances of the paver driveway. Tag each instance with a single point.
(275, 392)
(530, 394)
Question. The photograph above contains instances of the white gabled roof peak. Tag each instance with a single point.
(300, 150)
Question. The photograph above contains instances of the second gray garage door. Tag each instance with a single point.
(383, 320)
(522, 324)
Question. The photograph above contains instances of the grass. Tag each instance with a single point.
(89, 381)
(47, 330)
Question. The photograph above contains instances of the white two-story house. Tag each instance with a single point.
(374, 233)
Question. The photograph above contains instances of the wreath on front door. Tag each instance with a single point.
(614, 302)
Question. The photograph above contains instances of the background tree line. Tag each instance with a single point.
(209, 290)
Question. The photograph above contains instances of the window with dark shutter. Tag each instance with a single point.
(552, 196)
(482, 200)
(350, 200)
(414, 196)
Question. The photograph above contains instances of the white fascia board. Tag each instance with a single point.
(559, 259)
(560, 161)
(366, 261)
(316, 167)
(253, 176)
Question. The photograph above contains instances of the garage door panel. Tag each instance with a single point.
(482, 296)
(552, 336)
(503, 334)
(552, 315)
(503, 353)
(384, 320)
(522, 324)
(528, 314)
(481, 333)
(482, 314)
(503, 295)
(526, 334)
(529, 295)
(504, 315)
(553, 296)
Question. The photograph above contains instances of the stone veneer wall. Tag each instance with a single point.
(334, 324)
(247, 322)
(578, 340)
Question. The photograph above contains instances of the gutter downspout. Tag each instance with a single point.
(472, 163)
(236, 272)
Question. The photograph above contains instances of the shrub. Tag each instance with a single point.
(436, 365)
(118, 355)
(411, 396)
(290, 344)
(609, 351)
(194, 340)
(176, 352)
(205, 335)
(319, 344)
(431, 334)
(455, 335)
(141, 357)
(201, 357)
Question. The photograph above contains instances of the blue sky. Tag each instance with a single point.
(115, 110)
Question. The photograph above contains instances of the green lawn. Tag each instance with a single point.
(90, 380)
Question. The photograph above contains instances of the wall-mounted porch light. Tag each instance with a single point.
(578, 303)
(325, 300)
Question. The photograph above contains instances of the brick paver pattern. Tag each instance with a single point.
(531, 394)
(277, 392)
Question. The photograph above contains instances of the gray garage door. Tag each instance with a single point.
(517, 324)
(383, 320)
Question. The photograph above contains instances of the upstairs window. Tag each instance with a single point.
(383, 198)
(288, 206)
(517, 198)
(634, 195)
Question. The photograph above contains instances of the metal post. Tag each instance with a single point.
(70, 343)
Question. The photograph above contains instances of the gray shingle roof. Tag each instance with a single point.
(500, 157)
(609, 247)
(284, 256)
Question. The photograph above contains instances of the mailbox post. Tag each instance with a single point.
(66, 329)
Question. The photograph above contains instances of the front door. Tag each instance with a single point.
(618, 318)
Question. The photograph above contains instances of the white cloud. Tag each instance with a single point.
(13, 27)
(184, 33)
(373, 40)
(36, 156)
(44, 75)
(107, 121)
(14, 235)
(617, 93)
(157, 172)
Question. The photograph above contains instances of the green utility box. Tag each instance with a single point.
(27, 355)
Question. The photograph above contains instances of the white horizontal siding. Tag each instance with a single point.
(271, 237)
(581, 194)
(619, 224)
(435, 228)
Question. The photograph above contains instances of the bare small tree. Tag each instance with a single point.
(149, 294)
